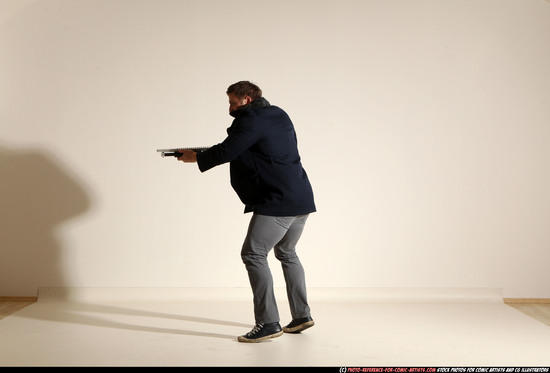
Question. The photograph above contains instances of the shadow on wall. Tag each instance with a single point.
(37, 194)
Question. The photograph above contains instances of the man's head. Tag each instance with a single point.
(242, 93)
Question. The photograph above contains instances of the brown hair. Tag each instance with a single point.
(245, 88)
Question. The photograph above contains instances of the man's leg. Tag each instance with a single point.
(264, 232)
(285, 252)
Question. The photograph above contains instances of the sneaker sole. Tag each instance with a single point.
(299, 328)
(242, 338)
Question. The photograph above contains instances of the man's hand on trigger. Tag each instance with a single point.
(188, 156)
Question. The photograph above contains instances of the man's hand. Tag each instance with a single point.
(188, 156)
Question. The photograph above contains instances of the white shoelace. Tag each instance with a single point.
(256, 329)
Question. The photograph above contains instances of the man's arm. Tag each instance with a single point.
(242, 137)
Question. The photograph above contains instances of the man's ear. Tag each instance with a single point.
(247, 100)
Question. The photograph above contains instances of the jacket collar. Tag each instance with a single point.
(259, 102)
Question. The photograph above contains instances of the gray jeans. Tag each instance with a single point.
(281, 234)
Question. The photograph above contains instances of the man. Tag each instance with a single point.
(267, 175)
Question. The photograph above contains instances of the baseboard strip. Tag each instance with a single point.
(18, 299)
(527, 300)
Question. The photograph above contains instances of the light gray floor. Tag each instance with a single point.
(198, 327)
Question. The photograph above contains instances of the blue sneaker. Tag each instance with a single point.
(298, 325)
(262, 332)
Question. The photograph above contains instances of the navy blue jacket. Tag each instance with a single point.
(265, 167)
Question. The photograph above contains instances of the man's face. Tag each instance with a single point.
(235, 102)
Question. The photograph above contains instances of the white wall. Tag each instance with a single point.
(424, 127)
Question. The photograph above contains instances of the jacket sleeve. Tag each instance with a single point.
(243, 135)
